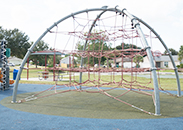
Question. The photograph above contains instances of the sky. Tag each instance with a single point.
(33, 17)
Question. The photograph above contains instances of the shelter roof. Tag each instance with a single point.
(47, 52)
(166, 58)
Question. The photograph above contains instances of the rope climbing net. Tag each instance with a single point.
(104, 52)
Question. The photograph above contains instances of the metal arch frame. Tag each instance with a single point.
(169, 53)
(135, 23)
(30, 50)
(84, 48)
(149, 54)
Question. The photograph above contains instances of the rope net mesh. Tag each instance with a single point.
(101, 52)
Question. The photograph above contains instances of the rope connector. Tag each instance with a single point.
(30, 50)
(137, 23)
(72, 15)
(133, 19)
(169, 53)
(55, 24)
(49, 30)
(147, 47)
(175, 68)
(123, 10)
(153, 68)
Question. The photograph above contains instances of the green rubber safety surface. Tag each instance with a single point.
(96, 105)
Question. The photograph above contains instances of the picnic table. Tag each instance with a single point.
(45, 75)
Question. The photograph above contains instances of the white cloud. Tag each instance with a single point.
(181, 12)
(33, 17)
(19, 14)
(178, 21)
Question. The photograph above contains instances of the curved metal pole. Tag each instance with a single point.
(149, 54)
(153, 68)
(169, 53)
(84, 48)
(30, 50)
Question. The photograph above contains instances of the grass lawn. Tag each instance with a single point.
(165, 83)
(97, 105)
(33, 72)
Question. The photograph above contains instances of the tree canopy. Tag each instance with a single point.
(173, 52)
(98, 44)
(17, 41)
(126, 46)
(39, 59)
(94, 46)
(180, 54)
(137, 59)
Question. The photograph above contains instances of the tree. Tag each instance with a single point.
(17, 41)
(39, 59)
(127, 46)
(97, 47)
(1, 33)
(137, 59)
(173, 52)
(96, 42)
(51, 58)
(180, 54)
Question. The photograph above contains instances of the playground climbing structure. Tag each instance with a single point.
(92, 37)
(4, 72)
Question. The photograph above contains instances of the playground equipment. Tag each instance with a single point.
(1, 77)
(112, 25)
(45, 73)
(4, 72)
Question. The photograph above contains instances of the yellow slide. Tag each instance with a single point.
(1, 76)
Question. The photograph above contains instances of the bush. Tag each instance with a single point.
(178, 66)
(51, 66)
(181, 65)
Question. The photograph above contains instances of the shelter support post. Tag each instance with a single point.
(54, 66)
(27, 68)
(45, 61)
